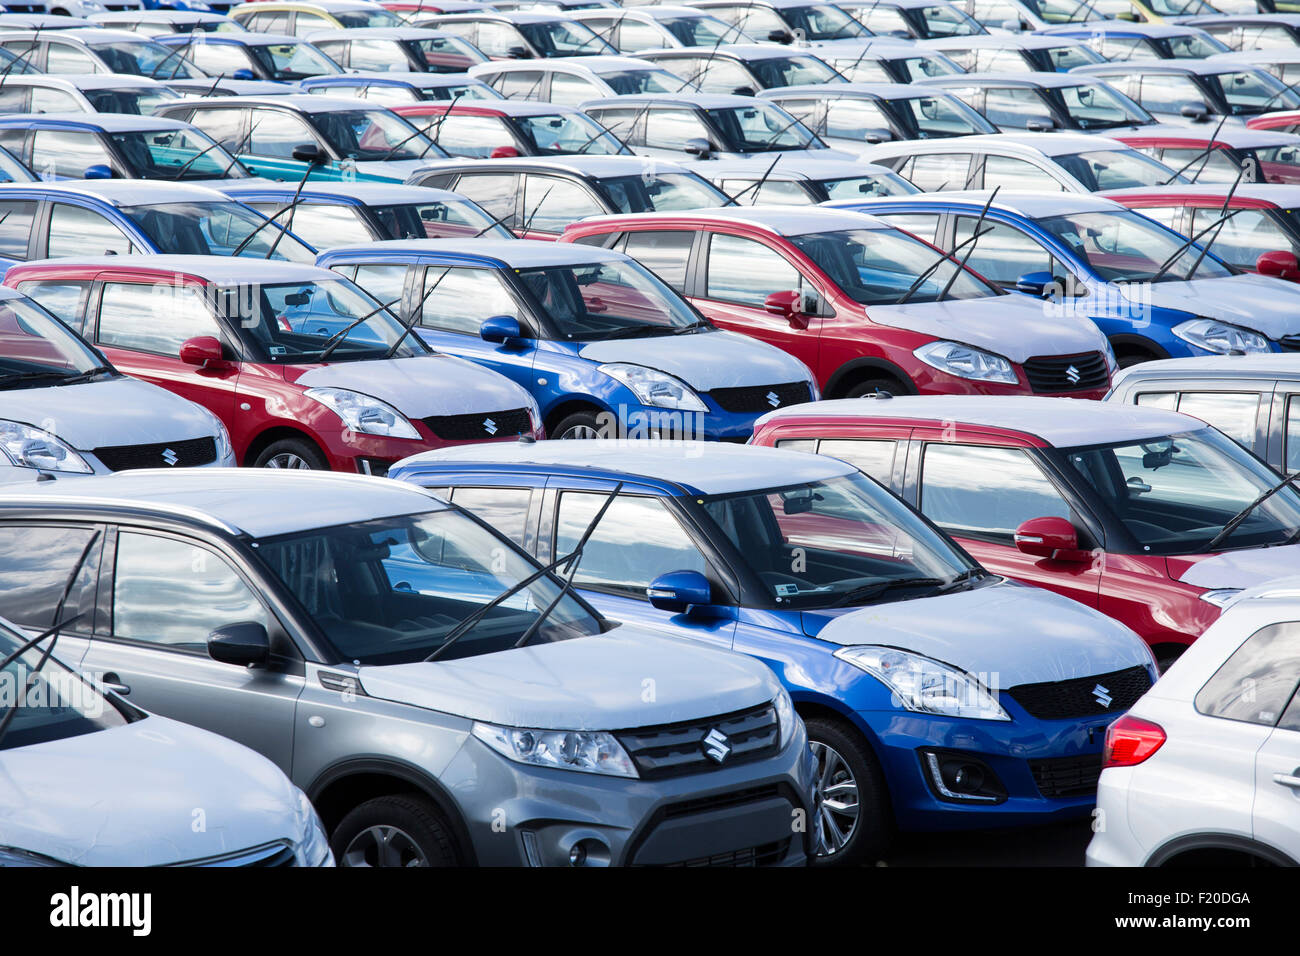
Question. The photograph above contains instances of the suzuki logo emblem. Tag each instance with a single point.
(489, 426)
(715, 745)
(1102, 696)
(773, 399)
(170, 456)
(1072, 374)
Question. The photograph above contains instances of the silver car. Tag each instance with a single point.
(441, 698)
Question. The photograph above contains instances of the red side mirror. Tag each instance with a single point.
(503, 152)
(1052, 538)
(786, 304)
(203, 350)
(1283, 265)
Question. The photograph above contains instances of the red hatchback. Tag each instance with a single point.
(1205, 156)
(1149, 516)
(304, 369)
(864, 305)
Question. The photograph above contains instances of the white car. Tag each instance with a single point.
(65, 410)
(1204, 770)
(165, 793)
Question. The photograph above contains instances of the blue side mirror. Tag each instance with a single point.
(243, 74)
(1035, 283)
(678, 591)
(98, 171)
(500, 328)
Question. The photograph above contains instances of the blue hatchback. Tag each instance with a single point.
(937, 696)
(604, 346)
(1152, 293)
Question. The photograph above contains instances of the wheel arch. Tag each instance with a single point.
(857, 369)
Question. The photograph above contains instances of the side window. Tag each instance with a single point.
(66, 299)
(1167, 93)
(851, 118)
(935, 171)
(30, 589)
(495, 192)
(505, 509)
(384, 283)
(226, 126)
(275, 133)
(218, 59)
(1012, 106)
(465, 299)
(771, 193)
(874, 457)
(925, 225)
(567, 90)
(666, 254)
(1245, 237)
(1003, 253)
(1213, 167)
(807, 445)
(1169, 216)
(82, 232)
(1168, 400)
(66, 58)
(498, 39)
(722, 76)
(378, 55)
(305, 23)
(1012, 489)
(620, 123)
(747, 272)
(550, 203)
(66, 154)
(517, 84)
(1292, 449)
(15, 228)
(1256, 682)
(673, 129)
(15, 99)
(634, 35)
(53, 101)
(145, 318)
(155, 576)
(1011, 173)
(1234, 413)
(636, 541)
(474, 136)
(320, 224)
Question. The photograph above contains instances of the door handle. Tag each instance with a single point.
(113, 682)
(1288, 779)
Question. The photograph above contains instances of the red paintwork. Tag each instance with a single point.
(824, 344)
(1273, 172)
(1288, 121)
(1141, 591)
(270, 390)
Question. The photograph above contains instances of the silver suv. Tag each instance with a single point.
(440, 697)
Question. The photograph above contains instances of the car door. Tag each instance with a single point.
(666, 132)
(1276, 811)
(553, 202)
(165, 594)
(273, 135)
(68, 154)
(639, 538)
(70, 554)
(1284, 428)
(80, 231)
(983, 515)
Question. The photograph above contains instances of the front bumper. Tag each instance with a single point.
(754, 813)
(373, 454)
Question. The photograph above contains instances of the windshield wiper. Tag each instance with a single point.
(461, 629)
(335, 340)
(634, 331)
(87, 375)
(693, 327)
(967, 577)
(1235, 521)
(14, 378)
(868, 591)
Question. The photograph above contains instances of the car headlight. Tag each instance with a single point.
(1112, 363)
(925, 685)
(1215, 336)
(966, 362)
(30, 447)
(583, 750)
(312, 846)
(364, 413)
(1220, 597)
(656, 388)
(785, 715)
(12, 856)
(222, 437)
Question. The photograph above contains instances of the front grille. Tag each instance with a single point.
(1053, 373)
(768, 854)
(761, 398)
(481, 426)
(1083, 696)
(270, 854)
(1061, 777)
(670, 750)
(1289, 343)
(177, 454)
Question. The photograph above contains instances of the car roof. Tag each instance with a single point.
(397, 76)
(1256, 19)
(595, 166)
(703, 101)
(498, 107)
(707, 468)
(1031, 205)
(792, 165)
(244, 38)
(306, 102)
(1061, 422)
(1283, 195)
(108, 122)
(498, 253)
(123, 192)
(743, 51)
(1052, 80)
(1015, 41)
(1257, 57)
(593, 64)
(79, 34)
(780, 220)
(509, 16)
(374, 33)
(1272, 365)
(1120, 28)
(363, 193)
(885, 91)
(216, 270)
(1047, 144)
(1236, 136)
(1196, 67)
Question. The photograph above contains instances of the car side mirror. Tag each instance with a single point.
(310, 153)
(98, 171)
(1012, 26)
(700, 148)
(501, 329)
(243, 644)
(1196, 111)
(786, 304)
(781, 36)
(519, 53)
(1282, 265)
(243, 74)
(1051, 538)
(872, 135)
(503, 152)
(1034, 283)
(205, 351)
(678, 591)
(1040, 124)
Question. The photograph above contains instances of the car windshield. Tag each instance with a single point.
(698, 31)
(146, 58)
(1115, 169)
(1175, 493)
(371, 135)
(1193, 46)
(776, 71)
(876, 266)
(444, 54)
(213, 229)
(760, 128)
(836, 543)
(390, 591)
(176, 154)
(131, 99)
(660, 192)
(948, 21)
(601, 300)
(1276, 163)
(822, 21)
(564, 38)
(561, 133)
(52, 703)
(1063, 11)
(292, 61)
(37, 350)
(292, 323)
(631, 82)
(1251, 92)
(444, 219)
(11, 170)
(377, 17)
(1127, 246)
(1092, 106)
(936, 117)
(877, 184)
(452, 91)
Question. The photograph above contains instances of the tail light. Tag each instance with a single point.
(1131, 740)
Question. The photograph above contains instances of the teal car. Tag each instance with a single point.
(280, 137)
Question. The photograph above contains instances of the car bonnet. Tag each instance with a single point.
(704, 361)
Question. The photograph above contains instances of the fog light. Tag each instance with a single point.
(578, 855)
(957, 777)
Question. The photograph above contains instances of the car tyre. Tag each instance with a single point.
(872, 385)
(853, 814)
(398, 830)
(292, 453)
(578, 425)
